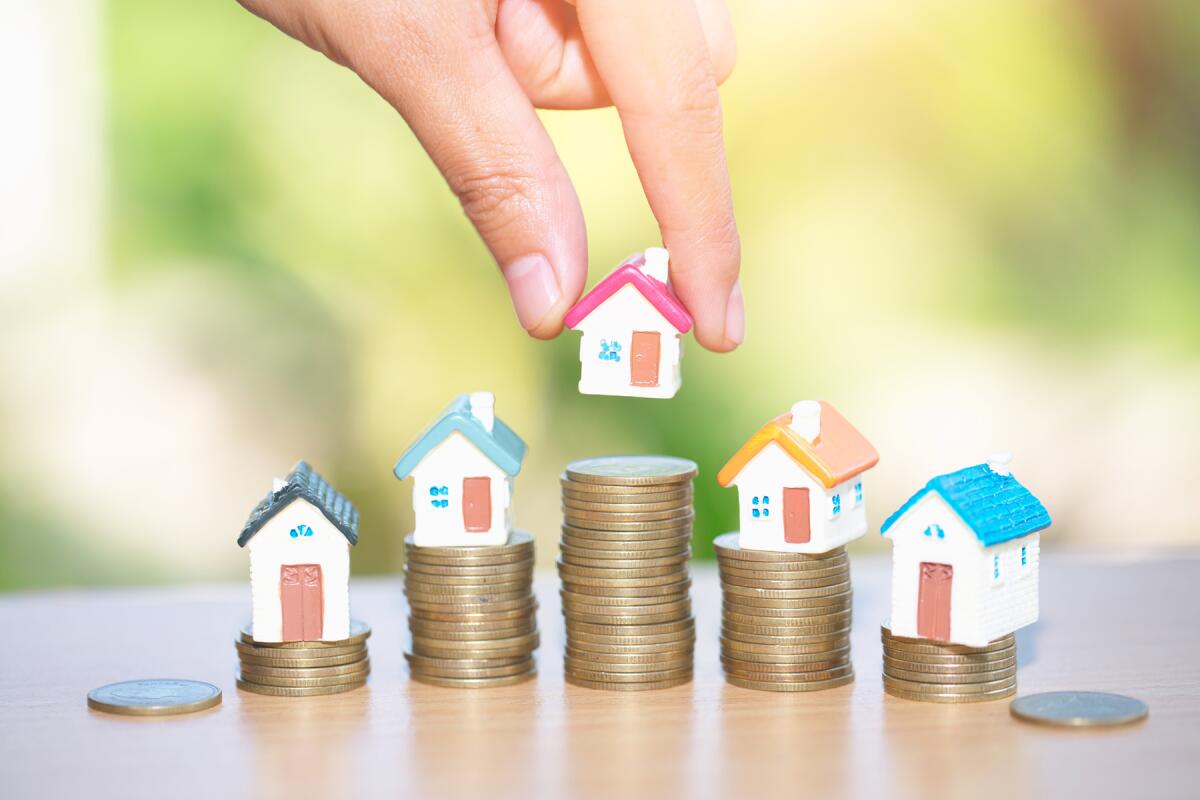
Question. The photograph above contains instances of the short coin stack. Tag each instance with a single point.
(626, 541)
(301, 669)
(937, 672)
(472, 613)
(785, 618)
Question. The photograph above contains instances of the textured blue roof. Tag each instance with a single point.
(996, 507)
(303, 482)
(502, 446)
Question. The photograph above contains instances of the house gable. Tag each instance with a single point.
(626, 309)
(500, 445)
(630, 275)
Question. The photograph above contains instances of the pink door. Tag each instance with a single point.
(796, 529)
(643, 362)
(477, 504)
(933, 601)
(302, 599)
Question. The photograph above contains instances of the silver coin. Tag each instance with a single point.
(154, 697)
(1079, 709)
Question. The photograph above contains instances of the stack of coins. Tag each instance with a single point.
(626, 541)
(472, 613)
(785, 618)
(300, 669)
(937, 672)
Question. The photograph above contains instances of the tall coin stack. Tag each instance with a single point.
(472, 613)
(626, 541)
(300, 669)
(937, 672)
(785, 618)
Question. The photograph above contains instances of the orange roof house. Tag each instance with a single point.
(799, 481)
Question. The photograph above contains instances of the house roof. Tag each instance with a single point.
(837, 454)
(630, 273)
(995, 506)
(501, 445)
(305, 484)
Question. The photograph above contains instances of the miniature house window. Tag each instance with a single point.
(760, 506)
(996, 568)
(300, 531)
(439, 496)
(1024, 558)
(858, 493)
(835, 505)
(610, 350)
(935, 530)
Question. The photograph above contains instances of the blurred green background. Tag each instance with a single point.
(969, 226)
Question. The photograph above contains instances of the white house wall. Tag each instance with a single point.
(616, 319)
(980, 608)
(446, 465)
(767, 474)
(273, 547)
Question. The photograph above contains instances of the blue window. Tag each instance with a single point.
(858, 493)
(935, 530)
(996, 567)
(439, 495)
(300, 530)
(837, 504)
(759, 506)
(610, 350)
(1024, 556)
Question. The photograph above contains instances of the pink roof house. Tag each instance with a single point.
(631, 323)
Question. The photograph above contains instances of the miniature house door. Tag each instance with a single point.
(477, 504)
(643, 362)
(302, 597)
(933, 601)
(796, 528)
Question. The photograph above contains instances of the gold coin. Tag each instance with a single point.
(743, 629)
(632, 470)
(809, 673)
(671, 646)
(293, 691)
(769, 606)
(520, 667)
(295, 652)
(661, 510)
(592, 670)
(804, 638)
(354, 668)
(585, 657)
(916, 687)
(630, 677)
(577, 487)
(785, 570)
(953, 679)
(574, 557)
(359, 632)
(657, 574)
(607, 528)
(295, 663)
(472, 655)
(467, 584)
(455, 581)
(818, 615)
(573, 496)
(631, 620)
(442, 602)
(154, 697)
(518, 541)
(570, 607)
(475, 683)
(471, 622)
(795, 658)
(954, 658)
(788, 585)
(662, 518)
(931, 697)
(474, 636)
(727, 547)
(573, 598)
(785, 594)
(465, 611)
(755, 668)
(431, 571)
(303, 683)
(823, 645)
(623, 633)
(790, 686)
(627, 687)
(941, 648)
(432, 665)
(529, 640)
(658, 590)
(515, 557)
(952, 668)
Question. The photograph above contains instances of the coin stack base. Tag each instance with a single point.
(303, 669)
(472, 613)
(626, 541)
(938, 672)
(785, 618)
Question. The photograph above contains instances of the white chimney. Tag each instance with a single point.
(806, 419)
(657, 259)
(278, 485)
(483, 408)
(998, 462)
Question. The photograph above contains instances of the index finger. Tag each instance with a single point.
(654, 61)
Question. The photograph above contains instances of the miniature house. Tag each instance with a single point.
(800, 481)
(299, 540)
(965, 556)
(631, 322)
(462, 469)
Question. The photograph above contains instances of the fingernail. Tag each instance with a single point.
(534, 288)
(735, 315)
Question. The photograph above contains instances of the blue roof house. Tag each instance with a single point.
(965, 556)
(462, 468)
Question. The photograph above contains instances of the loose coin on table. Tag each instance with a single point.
(1079, 709)
(154, 697)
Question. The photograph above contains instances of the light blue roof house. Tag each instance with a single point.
(965, 556)
(462, 468)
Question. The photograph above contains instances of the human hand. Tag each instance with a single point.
(467, 74)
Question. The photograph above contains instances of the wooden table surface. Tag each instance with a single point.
(1117, 626)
